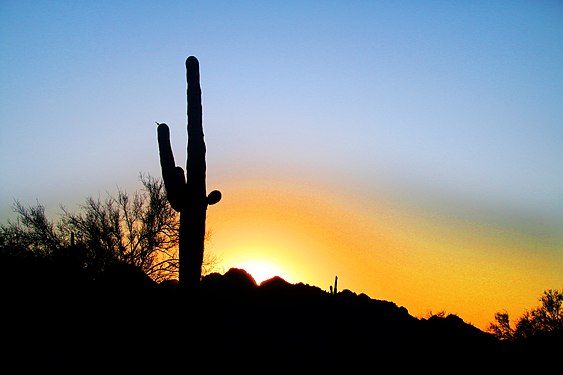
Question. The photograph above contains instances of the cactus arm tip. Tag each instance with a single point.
(163, 132)
(164, 147)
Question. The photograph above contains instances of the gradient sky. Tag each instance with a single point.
(414, 149)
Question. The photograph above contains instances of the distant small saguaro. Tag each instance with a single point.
(187, 193)
(334, 290)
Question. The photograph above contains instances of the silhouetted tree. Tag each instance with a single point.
(501, 329)
(187, 193)
(32, 232)
(548, 317)
(140, 230)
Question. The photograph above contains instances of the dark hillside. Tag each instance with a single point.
(125, 323)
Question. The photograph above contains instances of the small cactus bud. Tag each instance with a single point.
(213, 197)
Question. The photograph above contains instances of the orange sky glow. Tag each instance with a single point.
(309, 234)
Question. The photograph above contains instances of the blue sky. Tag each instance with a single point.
(455, 105)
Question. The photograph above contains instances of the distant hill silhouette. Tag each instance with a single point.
(126, 323)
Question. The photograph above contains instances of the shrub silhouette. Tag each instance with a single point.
(140, 230)
(545, 319)
(187, 193)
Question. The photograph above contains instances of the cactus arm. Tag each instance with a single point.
(174, 181)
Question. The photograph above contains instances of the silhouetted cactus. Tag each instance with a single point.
(187, 194)
(334, 290)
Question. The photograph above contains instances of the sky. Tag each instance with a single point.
(413, 149)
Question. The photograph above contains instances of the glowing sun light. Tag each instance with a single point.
(261, 270)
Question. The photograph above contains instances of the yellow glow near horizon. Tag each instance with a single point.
(309, 235)
(262, 270)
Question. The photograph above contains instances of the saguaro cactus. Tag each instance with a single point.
(334, 290)
(187, 194)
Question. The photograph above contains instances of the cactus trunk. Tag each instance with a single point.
(187, 195)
